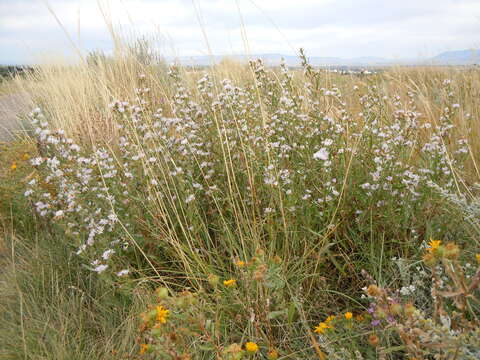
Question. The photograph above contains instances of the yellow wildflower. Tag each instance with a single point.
(348, 315)
(25, 156)
(251, 347)
(478, 258)
(13, 166)
(272, 355)
(329, 318)
(322, 327)
(230, 282)
(433, 245)
(143, 349)
(240, 263)
(162, 314)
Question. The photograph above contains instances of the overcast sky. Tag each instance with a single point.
(341, 28)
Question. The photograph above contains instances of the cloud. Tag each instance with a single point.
(345, 28)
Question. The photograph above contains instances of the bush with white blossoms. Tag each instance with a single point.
(283, 161)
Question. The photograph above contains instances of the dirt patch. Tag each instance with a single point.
(12, 108)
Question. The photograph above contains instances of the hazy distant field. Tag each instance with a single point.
(241, 211)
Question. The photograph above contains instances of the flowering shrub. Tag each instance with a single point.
(329, 175)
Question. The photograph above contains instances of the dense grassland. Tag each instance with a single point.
(241, 211)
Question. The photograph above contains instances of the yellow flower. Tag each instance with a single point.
(13, 166)
(272, 355)
(143, 349)
(322, 327)
(330, 318)
(229, 283)
(478, 258)
(240, 263)
(162, 314)
(348, 315)
(251, 347)
(25, 157)
(433, 245)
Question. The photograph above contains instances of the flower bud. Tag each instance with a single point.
(162, 293)
(373, 340)
(213, 280)
(396, 309)
(429, 259)
(272, 355)
(374, 290)
(381, 313)
(452, 251)
(409, 309)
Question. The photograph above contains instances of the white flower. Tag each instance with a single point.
(189, 199)
(100, 268)
(123, 272)
(107, 253)
(59, 213)
(36, 161)
(321, 154)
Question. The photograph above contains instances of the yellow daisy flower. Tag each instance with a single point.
(162, 314)
(251, 347)
(230, 282)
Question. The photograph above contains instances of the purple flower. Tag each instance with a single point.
(375, 323)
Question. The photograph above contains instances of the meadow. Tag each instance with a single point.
(153, 211)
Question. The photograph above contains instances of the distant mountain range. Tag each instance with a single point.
(462, 57)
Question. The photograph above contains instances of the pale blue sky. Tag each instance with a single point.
(343, 28)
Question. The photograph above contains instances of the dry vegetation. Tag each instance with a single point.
(242, 212)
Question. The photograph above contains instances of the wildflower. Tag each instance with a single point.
(359, 318)
(213, 280)
(107, 254)
(478, 258)
(230, 282)
(451, 251)
(13, 166)
(240, 263)
(321, 328)
(374, 291)
(409, 309)
(330, 318)
(143, 349)
(28, 192)
(100, 268)
(272, 355)
(429, 259)
(162, 293)
(162, 314)
(373, 340)
(124, 272)
(189, 198)
(433, 245)
(251, 347)
(25, 156)
(321, 154)
(348, 315)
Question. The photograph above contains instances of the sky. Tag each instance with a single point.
(31, 30)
